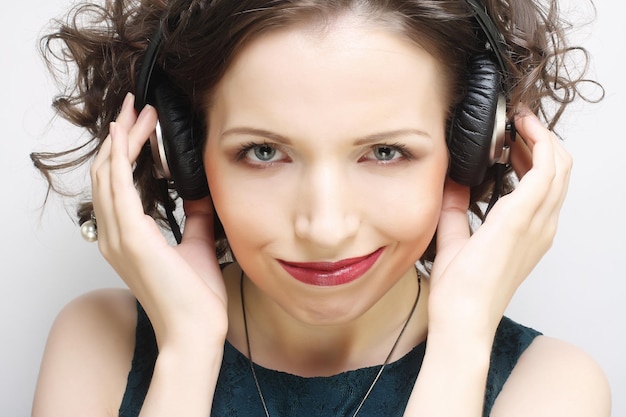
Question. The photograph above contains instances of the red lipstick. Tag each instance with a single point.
(328, 274)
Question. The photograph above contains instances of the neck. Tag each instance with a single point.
(280, 341)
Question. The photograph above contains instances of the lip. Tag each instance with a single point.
(327, 274)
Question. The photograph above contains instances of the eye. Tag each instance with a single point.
(260, 153)
(264, 153)
(387, 153)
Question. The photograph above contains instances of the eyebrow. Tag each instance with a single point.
(373, 138)
(256, 132)
(377, 137)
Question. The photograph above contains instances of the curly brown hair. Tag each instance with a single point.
(103, 45)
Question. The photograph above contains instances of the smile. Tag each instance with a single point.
(328, 274)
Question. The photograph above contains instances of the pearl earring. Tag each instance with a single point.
(89, 229)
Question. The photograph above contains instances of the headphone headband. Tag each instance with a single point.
(147, 69)
(494, 37)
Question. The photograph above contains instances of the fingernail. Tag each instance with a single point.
(128, 101)
(144, 112)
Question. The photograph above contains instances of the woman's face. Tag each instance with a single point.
(326, 159)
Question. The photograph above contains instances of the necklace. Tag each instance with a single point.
(380, 369)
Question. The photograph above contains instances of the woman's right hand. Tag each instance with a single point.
(181, 288)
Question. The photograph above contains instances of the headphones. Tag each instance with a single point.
(176, 143)
(476, 135)
(477, 131)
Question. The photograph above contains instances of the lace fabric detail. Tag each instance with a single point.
(292, 395)
(510, 341)
(337, 395)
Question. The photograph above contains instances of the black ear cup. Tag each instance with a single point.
(476, 123)
(177, 142)
(181, 149)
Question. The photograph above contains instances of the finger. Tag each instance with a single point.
(140, 131)
(558, 192)
(521, 157)
(103, 154)
(530, 128)
(566, 164)
(126, 118)
(120, 163)
(107, 184)
(198, 220)
(541, 144)
(125, 199)
(100, 186)
(128, 115)
(125, 148)
(198, 235)
(115, 197)
(453, 228)
(540, 194)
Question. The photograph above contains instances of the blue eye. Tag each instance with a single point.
(264, 153)
(385, 152)
(261, 154)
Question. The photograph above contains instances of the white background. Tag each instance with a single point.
(577, 293)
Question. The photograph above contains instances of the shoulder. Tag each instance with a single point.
(554, 378)
(87, 356)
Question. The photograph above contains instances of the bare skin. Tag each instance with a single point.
(193, 308)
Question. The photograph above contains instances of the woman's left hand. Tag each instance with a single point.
(474, 277)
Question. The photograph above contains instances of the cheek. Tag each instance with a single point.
(246, 208)
(408, 212)
(411, 212)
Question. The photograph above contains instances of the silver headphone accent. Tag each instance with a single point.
(161, 168)
(499, 152)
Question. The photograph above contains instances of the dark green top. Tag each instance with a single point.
(334, 396)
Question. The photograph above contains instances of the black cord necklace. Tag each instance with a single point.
(378, 374)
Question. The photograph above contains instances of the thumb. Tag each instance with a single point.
(198, 220)
(453, 229)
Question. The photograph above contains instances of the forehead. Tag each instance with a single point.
(329, 43)
(320, 72)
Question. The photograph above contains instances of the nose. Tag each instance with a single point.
(328, 214)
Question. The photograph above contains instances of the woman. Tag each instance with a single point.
(327, 132)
